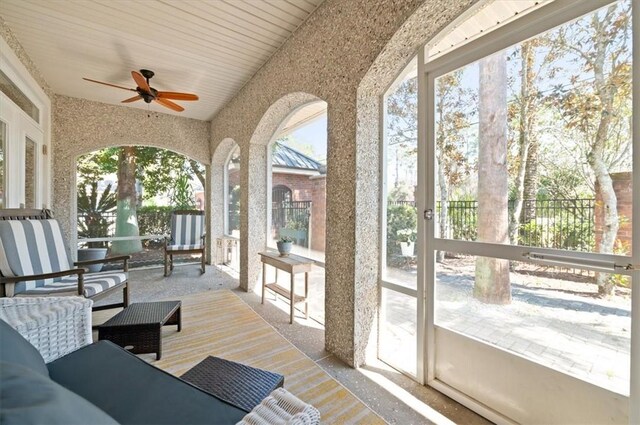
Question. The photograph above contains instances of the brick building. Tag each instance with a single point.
(298, 189)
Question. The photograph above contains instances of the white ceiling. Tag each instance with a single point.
(207, 47)
(480, 19)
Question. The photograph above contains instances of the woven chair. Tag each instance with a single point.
(187, 237)
(282, 408)
(35, 261)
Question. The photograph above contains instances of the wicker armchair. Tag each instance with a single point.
(35, 261)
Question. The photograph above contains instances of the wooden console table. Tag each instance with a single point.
(292, 264)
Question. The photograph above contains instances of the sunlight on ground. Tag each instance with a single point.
(406, 397)
(283, 305)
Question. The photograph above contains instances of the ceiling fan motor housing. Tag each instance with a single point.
(148, 97)
(147, 73)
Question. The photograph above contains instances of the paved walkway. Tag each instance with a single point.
(570, 331)
(558, 322)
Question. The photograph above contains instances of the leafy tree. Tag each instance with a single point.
(155, 169)
(598, 110)
(91, 210)
(452, 117)
(182, 193)
(492, 284)
(402, 117)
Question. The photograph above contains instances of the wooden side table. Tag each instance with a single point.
(291, 264)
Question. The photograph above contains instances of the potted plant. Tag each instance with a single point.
(284, 246)
(407, 239)
(92, 223)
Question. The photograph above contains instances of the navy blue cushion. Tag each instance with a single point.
(15, 349)
(134, 392)
(27, 397)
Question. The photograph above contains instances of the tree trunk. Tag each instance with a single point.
(530, 182)
(195, 169)
(126, 219)
(492, 283)
(442, 178)
(444, 209)
(524, 138)
(605, 91)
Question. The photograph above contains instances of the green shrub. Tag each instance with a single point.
(154, 220)
(399, 218)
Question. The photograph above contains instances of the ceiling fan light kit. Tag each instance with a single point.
(148, 93)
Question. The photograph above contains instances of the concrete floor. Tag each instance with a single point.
(395, 397)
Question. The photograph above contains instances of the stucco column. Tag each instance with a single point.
(352, 235)
(253, 213)
(208, 210)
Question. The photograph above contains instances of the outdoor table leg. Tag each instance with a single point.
(264, 280)
(306, 295)
(292, 296)
(275, 294)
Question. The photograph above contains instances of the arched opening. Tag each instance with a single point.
(281, 194)
(225, 194)
(257, 217)
(297, 170)
(230, 249)
(125, 196)
(510, 200)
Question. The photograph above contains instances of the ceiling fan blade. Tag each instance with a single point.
(108, 84)
(169, 104)
(132, 99)
(141, 81)
(176, 96)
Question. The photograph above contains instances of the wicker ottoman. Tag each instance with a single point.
(56, 326)
(238, 384)
(138, 328)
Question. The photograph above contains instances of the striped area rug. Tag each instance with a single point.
(219, 323)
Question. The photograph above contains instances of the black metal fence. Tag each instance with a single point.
(550, 223)
(291, 219)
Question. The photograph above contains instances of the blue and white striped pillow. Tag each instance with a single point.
(186, 229)
(29, 247)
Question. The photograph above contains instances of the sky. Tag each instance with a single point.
(314, 134)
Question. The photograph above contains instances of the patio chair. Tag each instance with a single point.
(187, 237)
(35, 261)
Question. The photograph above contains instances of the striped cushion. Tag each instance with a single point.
(94, 283)
(187, 229)
(29, 247)
(184, 247)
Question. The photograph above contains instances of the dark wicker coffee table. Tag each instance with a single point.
(239, 385)
(138, 328)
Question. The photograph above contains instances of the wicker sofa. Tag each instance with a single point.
(83, 382)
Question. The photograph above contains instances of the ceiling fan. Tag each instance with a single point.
(148, 93)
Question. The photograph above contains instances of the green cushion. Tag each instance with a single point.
(15, 349)
(28, 397)
(134, 392)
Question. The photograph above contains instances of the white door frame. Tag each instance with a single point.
(536, 22)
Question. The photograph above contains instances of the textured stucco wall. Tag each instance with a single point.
(81, 126)
(14, 44)
(346, 54)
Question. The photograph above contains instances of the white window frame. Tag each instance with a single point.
(19, 126)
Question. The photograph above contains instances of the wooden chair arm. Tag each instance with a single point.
(13, 279)
(124, 258)
(104, 260)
